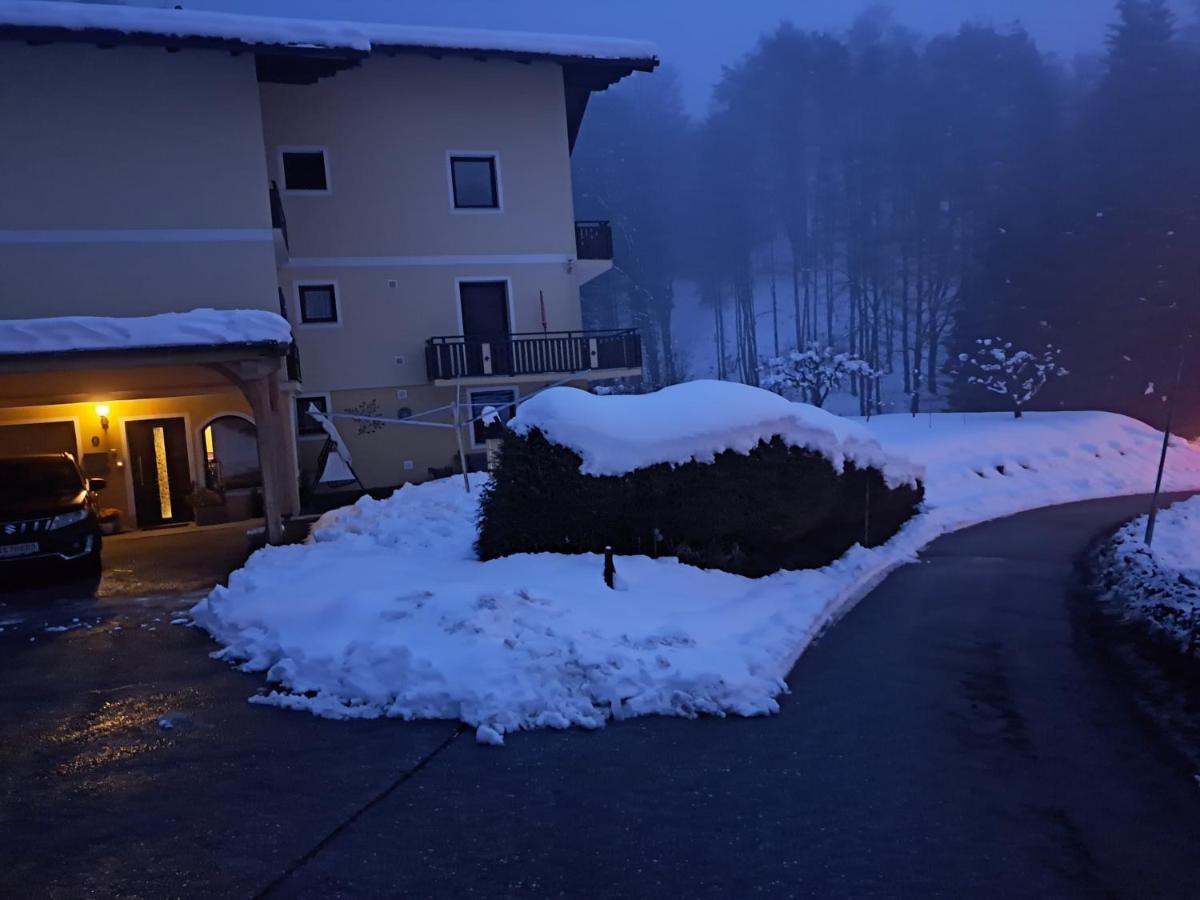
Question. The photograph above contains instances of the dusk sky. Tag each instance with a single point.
(697, 38)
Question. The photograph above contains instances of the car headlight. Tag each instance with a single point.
(62, 520)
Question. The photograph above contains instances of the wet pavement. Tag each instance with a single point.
(958, 734)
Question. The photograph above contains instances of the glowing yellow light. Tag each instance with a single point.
(160, 468)
(102, 409)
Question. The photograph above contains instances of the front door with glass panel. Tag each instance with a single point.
(158, 467)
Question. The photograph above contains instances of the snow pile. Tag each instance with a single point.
(1158, 586)
(982, 466)
(386, 611)
(196, 328)
(695, 421)
(303, 33)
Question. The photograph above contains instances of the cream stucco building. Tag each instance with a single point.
(401, 195)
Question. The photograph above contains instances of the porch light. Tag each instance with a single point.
(102, 412)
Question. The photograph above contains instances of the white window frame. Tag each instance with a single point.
(473, 210)
(303, 148)
(487, 389)
(309, 395)
(485, 279)
(338, 307)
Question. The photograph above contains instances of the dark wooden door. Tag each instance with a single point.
(485, 320)
(158, 463)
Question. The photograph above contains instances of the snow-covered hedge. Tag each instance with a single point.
(1158, 586)
(715, 474)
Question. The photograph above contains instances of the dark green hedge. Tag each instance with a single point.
(774, 508)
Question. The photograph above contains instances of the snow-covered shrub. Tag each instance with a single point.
(718, 475)
(813, 374)
(1017, 375)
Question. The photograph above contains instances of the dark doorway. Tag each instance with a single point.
(158, 461)
(485, 320)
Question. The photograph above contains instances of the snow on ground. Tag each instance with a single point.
(195, 328)
(1158, 585)
(695, 421)
(982, 466)
(387, 612)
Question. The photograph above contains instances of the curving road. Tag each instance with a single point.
(957, 734)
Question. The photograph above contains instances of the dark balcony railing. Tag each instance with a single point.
(593, 240)
(554, 352)
(278, 219)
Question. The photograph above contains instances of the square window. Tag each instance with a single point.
(503, 400)
(318, 303)
(304, 170)
(474, 180)
(305, 423)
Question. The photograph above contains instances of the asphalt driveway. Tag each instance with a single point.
(958, 734)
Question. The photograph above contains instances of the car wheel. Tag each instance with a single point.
(90, 566)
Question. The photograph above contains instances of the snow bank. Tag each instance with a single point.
(1158, 586)
(984, 466)
(197, 328)
(332, 34)
(386, 612)
(617, 433)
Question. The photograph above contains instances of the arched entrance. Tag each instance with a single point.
(232, 471)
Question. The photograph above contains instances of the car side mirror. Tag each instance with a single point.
(97, 484)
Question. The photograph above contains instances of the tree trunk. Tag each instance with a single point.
(666, 339)
(931, 362)
(774, 297)
(801, 321)
(904, 349)
(719, 331)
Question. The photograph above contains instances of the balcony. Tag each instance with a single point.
(593, 240)
(534, 356)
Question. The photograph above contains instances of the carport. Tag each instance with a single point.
(135, 394)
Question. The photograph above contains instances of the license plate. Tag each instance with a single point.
(18, 549)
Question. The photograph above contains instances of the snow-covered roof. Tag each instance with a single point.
(196, 328)
(270, 31)
(615, 434)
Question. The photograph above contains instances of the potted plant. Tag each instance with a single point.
(110, 520)
(208, 505)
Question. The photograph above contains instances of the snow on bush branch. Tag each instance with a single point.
(812, 374)
(1016, 374)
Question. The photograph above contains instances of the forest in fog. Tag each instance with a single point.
(898, 197)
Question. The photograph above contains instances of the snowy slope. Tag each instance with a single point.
(618, 433)
(387, 612)
(986, 465)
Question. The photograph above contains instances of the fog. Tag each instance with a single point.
(698, 38)
(954, 205)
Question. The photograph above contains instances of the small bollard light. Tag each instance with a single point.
(610, 570)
